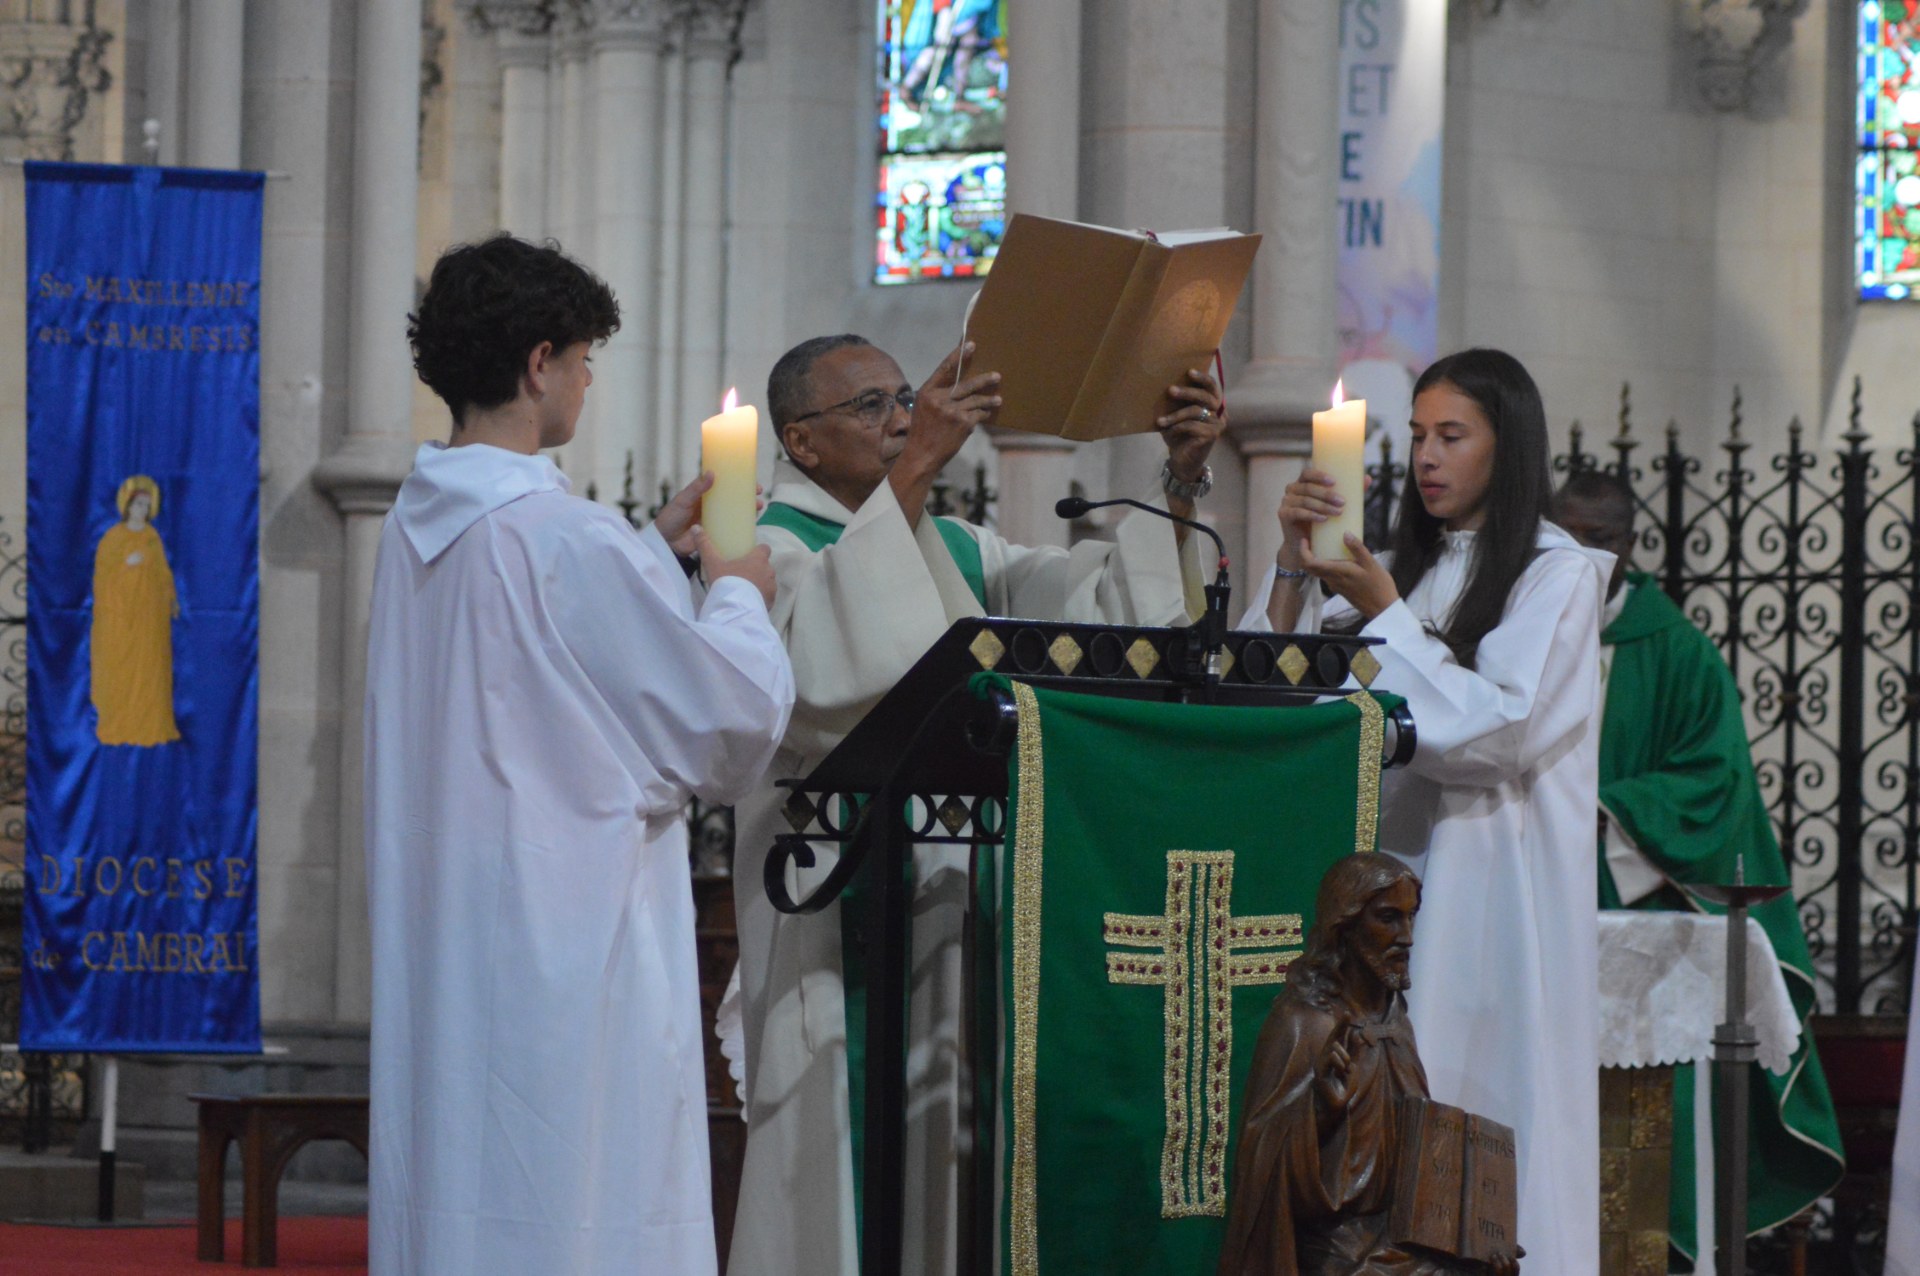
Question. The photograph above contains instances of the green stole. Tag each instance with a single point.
(1676, 770)
(816, 534)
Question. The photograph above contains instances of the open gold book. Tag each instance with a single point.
(1088, 326)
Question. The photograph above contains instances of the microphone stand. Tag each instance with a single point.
(1205, 660)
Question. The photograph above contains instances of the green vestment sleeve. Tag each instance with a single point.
(1675, 770)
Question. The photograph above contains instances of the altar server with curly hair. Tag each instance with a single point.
(543, 696)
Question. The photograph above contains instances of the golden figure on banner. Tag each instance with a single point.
(134, 607)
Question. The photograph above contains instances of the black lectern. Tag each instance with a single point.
(928, 765)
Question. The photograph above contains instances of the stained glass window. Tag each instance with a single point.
(1887, 174)
(941, 199)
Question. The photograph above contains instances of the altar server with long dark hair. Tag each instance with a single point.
(1490, 617)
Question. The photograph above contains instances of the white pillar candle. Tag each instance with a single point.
(1339, 439)
(727, 446)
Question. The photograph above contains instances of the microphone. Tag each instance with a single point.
(1211, 629)
(1077, 506)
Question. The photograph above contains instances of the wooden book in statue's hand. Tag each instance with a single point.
(1429, 1189)
(1457, 1187)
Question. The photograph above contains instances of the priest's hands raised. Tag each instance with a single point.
(945, 412)
(1193, 426)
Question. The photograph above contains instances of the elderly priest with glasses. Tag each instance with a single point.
(868, 580)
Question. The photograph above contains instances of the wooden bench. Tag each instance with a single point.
(269, 1128)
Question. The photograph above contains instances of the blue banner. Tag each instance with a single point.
(143, 606)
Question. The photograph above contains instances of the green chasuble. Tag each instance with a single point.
(1676, 772)
(1161, 864)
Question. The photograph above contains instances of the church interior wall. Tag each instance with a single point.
(1167, 143)
(298, 97)
(1598, 221)
(459, 158)
(1577, 234)
(1770, 249)
(1607, 226)
(800, 238)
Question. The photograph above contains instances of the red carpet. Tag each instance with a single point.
(307, 1245)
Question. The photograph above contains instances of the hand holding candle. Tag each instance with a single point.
(1339, 438)
(728, 447)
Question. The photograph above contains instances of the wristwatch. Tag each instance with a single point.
(1188, 492)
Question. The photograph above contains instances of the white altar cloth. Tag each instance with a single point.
(1663, 979)
(1663, 989)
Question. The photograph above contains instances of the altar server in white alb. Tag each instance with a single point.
(869, 579)
(1491, 621)
(542, 697)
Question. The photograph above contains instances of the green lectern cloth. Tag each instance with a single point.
(1161, 866)
(1677, 772)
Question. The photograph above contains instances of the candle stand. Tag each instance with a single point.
(1735, 1047)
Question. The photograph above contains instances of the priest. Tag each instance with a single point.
(542, 698)
(869, 579)
(1680, 807)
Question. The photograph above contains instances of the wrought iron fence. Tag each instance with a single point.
(1804, 566)
(38, 1092)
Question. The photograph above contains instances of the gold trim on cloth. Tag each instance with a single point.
(1198, 934)
(1023, 1237)
(1373, 748)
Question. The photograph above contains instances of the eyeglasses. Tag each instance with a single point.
(872, 407)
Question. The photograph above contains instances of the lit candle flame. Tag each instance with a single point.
(732, 400)
(1339, 392)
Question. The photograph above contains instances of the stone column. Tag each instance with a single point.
(1295, 345)
(1043, 110)
(1043, 177)
(575, 27)
(373, 459)
(165, 26)
(702, 252)
(521, 42)
(1035, 471)
(289, 88)
(626, 132)
(667, 338)
(570, 206)
(215, 38)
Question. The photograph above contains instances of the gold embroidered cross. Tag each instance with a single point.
(1199, 952)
